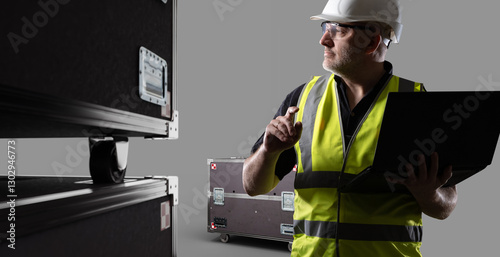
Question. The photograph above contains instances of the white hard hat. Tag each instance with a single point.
(384, 11)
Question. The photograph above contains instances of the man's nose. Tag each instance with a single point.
(326, 40)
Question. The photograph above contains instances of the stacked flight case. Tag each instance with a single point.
(231, 211)
(102, 70)
(72, 216)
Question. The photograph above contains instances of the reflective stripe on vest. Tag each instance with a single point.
(362, 232)
(324, 159)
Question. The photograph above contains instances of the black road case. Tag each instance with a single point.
(98, 69)
(71, 216)
(231, 211)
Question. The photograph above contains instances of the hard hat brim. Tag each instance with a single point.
(326, 17)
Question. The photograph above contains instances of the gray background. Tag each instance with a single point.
(234, 69)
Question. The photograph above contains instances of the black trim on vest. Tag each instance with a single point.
(377, 232)
(320, 179)
(406, 85)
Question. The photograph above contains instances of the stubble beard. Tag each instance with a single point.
(344, 64)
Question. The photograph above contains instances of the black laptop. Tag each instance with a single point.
(462, 127)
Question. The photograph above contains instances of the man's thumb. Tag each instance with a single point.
(298, 128)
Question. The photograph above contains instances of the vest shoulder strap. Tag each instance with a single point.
(406, 85)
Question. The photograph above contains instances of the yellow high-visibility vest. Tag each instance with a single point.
(381, 224)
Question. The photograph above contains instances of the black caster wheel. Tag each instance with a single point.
(290, 246)
(103, 163)
(224, 238)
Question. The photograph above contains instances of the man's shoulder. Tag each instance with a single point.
(420, 86)
(296, 92)
(293, 97)
(407, 78)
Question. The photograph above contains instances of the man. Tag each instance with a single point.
(329, 128)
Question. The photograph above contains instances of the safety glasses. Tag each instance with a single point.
(333, 27)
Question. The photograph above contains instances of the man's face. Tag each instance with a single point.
(342, 55)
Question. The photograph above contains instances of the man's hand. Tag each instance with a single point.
(427, 188)
(281, 133)
(427, 181)
(258, 169)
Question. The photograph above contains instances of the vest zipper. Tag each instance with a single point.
(353, 137)
(346, 152)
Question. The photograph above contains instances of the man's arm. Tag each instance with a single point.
(435, 200)
(258, 170)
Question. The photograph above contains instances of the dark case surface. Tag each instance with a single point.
(74, 53)
(69, 216)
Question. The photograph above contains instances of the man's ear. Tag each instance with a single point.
(374, 44)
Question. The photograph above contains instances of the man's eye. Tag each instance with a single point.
(341, 30)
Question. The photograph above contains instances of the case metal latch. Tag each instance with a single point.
(287, 201)
(286, 229)
(218, 196)
(153, 78)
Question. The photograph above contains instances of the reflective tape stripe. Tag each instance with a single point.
(320, 179)
(322, 229)
(312, 102)
(360, 232)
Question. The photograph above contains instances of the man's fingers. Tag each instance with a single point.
(273, 130)
(434, 165)
(395, 180)
(284, 126)
(298, 128)
(285, 123)
(422, 168)
(276, 123)
(411, 174)
(290, 112)
(283, 130)
(447, 174)
(281, 133)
